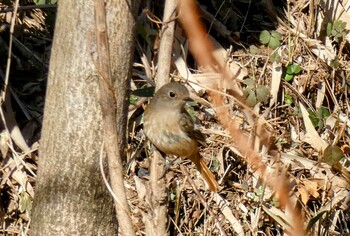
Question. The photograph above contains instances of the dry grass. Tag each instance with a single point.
(245, 205)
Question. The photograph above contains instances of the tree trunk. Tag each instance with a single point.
(120, 25)
(70, 196)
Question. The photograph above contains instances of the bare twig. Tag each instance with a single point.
(156, 219)
(13, 20)
(108, 102)
(9, 118)
(166, 43)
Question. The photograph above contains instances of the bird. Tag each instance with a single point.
(171, 130)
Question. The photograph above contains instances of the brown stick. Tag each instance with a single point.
(108, 102)
(166, 43)
(156, 219)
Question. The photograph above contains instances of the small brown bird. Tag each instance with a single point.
(170, 128)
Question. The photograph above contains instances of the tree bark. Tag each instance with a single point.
(120, 25)
(108, 103)
(70, 196)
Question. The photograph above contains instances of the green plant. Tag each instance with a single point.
(275, 57)
(336, 30)
(317, 118)
(288, 99)
(271, 39)
(133, 99)
(292, 70)
(255, 94)
(254, 49)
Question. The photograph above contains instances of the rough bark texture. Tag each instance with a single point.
(166, 43)
(120, 23)
(70, 197)
(108, 104)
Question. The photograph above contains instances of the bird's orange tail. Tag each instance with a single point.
(205, 172)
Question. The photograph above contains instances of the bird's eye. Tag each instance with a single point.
(172, 94)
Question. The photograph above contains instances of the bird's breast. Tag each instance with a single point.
(164, 131)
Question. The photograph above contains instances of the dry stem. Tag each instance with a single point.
(108, 102)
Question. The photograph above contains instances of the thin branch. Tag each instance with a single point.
(13, 21)
(108, 101)
(156, 218)
(166, 43)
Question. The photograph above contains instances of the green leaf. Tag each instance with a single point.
(314, 118)
(324, 112)
(274, 43)
(133, 99)
(329, 29)
(142, 31)
(339, 26)
(293, 69)
(262, 94)
(260, 191)
(254, 49)
(276, 35)
(288, 77)
(144, 92)
(275, 40)
(332, 155)
(250, 83)
(296, 69)
(336, 24)
(334, 32)
(251, 99)
(275, 57)
(25, 202)
(288, 99)
(265, 37)
(40, 2)
(246, 92)
(342, 26)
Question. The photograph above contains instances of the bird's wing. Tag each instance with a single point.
(187, 126)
